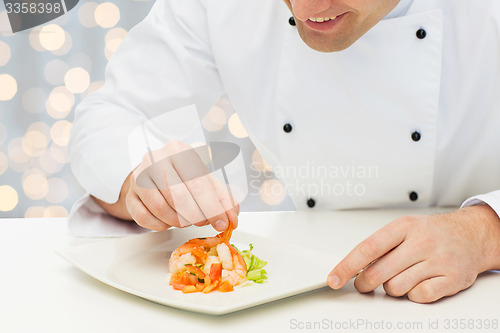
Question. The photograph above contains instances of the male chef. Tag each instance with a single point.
(409, 86)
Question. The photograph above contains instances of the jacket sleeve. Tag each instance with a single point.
(492, 199)
(164, 63)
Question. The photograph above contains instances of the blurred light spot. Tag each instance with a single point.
(60, 132)
(4, 163)
(18, 160)
(8, 198)
(54, 71)
(34, 38)
(259, 163)
(94, 86)
(3, 134)
(34, 143)
(55, 211)
(34, 212)
(60, 102)
(66, 47)
(77, 80)
(8, 87)
(86, 14)
(236, 127)
(16, 151)
(40, 126)
(107, 15)
(80, 60)
(59, 154)
(115, 33)
(47, 163)
(215, 120)
(111, 47)
(4, 53)
(58, 191)
(34, 100)
(35, 184)
(52, 37)
(272, 192)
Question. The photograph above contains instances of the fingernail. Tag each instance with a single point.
(221, 225)
(333, 281)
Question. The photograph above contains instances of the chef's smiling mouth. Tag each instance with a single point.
(324, 24)
(322, 19)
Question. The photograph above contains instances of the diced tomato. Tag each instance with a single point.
(196, 271)
(189, 289)
(215, 271)
(211, 287)
(178, 286)
(225, 287)
(182, 279)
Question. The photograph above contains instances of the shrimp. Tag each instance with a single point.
(234, 269)
(207, 264)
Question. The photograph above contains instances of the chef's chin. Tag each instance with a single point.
(323, 43)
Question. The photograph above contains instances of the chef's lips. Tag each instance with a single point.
(27, 14)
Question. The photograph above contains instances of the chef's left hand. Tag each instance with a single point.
(424, 257)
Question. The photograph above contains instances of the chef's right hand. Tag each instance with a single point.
(175, 189)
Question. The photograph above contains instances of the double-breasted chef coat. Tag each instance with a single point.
(409, 115)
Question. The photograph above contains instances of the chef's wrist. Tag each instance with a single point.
(119, 208)
(489, 223)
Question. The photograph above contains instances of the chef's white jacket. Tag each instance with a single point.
(410, 113)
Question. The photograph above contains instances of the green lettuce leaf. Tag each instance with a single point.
(255, 266)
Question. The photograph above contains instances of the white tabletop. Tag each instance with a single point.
(43, 293)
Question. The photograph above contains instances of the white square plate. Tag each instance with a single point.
(139, 265)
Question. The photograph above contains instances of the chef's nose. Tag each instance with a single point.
(304, 9)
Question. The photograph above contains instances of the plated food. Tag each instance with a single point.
(212, 263)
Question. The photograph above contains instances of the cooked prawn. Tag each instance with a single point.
(207, 264)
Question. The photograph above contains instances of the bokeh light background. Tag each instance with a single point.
(44, 73)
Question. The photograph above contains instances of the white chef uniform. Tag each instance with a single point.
(408, 116)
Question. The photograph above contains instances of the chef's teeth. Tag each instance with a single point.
(322, 19)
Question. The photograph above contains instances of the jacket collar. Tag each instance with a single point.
(400, 10)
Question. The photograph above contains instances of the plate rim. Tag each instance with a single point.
(65, 253)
